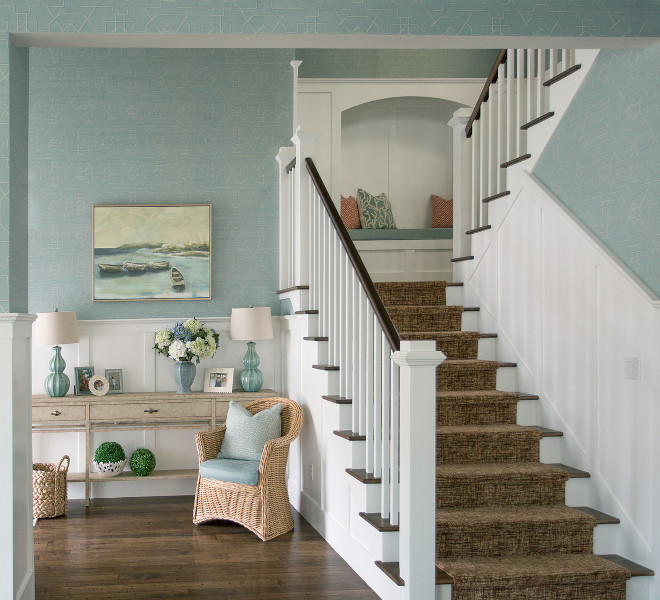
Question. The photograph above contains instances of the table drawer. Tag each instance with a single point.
(58, 413)
(150, 411)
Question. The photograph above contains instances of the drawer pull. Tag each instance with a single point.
(57, 413)
(151, 410)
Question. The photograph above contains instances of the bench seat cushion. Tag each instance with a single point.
(401, 234)
(231, 469)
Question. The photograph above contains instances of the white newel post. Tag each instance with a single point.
(17, 564)
(462, 184)
(284, 157)
(305, 144)
(296, 65)
(417, 380)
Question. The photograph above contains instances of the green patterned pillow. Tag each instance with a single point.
(247, 434)
(375, 211)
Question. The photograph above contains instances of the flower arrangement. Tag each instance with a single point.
(187, 341)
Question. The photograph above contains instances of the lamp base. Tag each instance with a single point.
(57, 382)
(251, 378)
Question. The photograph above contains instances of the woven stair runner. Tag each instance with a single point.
(503, 531)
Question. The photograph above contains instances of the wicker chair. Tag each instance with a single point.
(263, 509)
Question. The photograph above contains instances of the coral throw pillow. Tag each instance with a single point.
(350, 215)
(375, 211)
(442, 212)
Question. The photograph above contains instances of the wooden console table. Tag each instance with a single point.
(125, 412)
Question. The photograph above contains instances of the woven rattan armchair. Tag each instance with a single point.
(263, 509)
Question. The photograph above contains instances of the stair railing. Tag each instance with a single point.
(391, 384)
(289, 212)
(514, 97)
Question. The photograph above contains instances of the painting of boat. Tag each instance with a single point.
(110, 269)
(159, 265)
(178, 282)
(151, 252)
(136, 268)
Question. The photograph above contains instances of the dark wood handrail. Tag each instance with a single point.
(290, 166)
(361, 271)
(492, 78)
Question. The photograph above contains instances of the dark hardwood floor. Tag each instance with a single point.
(148, 548)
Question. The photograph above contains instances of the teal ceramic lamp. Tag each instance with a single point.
(250, 324)
(53, 329)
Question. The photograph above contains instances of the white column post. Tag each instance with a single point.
(17, 570)
(462, 181)
(296, 65)
(305, 144)
(417, 361)
(284, 157)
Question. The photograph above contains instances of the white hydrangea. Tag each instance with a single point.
(163, 338)
(178, 350)
(201, 348)
(193, 325)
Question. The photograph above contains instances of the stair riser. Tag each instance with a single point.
(436, 320)
(527, 411)
(382, 545)
(505, 539)
(363, 497)
(454, 295)
(412, 293)
(551, 449)
(605, 538)
(356, 458)
(470, 320)
(615, 590)
(450, 378)
(452, 449)
(487, 349)
(577, 492)
(482, 493)
(476, 413)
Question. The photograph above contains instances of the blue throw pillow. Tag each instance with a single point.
(247, 434)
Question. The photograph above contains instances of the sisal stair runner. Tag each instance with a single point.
(503, 531)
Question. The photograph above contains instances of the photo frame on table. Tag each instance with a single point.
(98, 385)
(83, 375)
(116, 381)
(219, 380)
(151, 252)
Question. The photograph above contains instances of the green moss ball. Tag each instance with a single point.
(142, 462)
(109, 452)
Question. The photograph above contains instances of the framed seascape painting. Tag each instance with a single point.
(157, 252)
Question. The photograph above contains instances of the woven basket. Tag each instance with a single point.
(49, 489)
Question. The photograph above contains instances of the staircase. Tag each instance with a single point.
(502, 528)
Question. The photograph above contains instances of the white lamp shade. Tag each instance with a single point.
(55, 328)
(250, 324)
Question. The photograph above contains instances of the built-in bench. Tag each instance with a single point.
(405, 254)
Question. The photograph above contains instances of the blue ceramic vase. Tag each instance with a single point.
(184, 375)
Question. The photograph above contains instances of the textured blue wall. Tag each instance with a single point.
(148, 127)
(395, 63)
(603, 161)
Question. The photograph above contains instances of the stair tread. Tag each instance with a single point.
(547, 432)
(363, 475)
(485, 429)
(572, 471)
(516, 568)
(496, 196)
(337, 399)
(311, 311)
(326, 367)
(292, 289)
(526, 513)
(504, 470)
(538, 120)
(601, 517)
(351, 436)
(316, 338)
(562, 75)
(391, 569)
(636, 570)
(461, 258)
(476, 394)
(523, 396)
(377, 521)
(515, 161)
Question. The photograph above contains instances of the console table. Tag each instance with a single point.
(124, 412)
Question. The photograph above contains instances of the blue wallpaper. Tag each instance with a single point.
(602, 161)
(394, 63)
(577, 18)
(147, 126)
(16, 212)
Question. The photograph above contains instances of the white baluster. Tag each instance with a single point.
(520, 91)
(363, 364)
(493, 165)
(511, 136)
(531, 78)
(343, 317)
(540, 78)
(394, 445)
(337, 285)
(369, 391)
(386, 452)
(476, 179)
(292, 236)
(554, 62)
(355, 336)
(378, 396)
(484, 158)
(501, 127)
(329, 291)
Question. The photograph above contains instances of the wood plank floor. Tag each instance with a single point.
(148, 548)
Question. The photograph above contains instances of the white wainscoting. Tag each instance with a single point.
(570, 314)
(127, 344)
(407, 260)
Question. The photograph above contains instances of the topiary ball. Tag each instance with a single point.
(109, 452)
(142, 462)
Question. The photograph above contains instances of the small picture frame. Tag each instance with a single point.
(98, 385)
(116, 381)
(219, 380)
(83, 375)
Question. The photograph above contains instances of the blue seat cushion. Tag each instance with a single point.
(231, 469)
